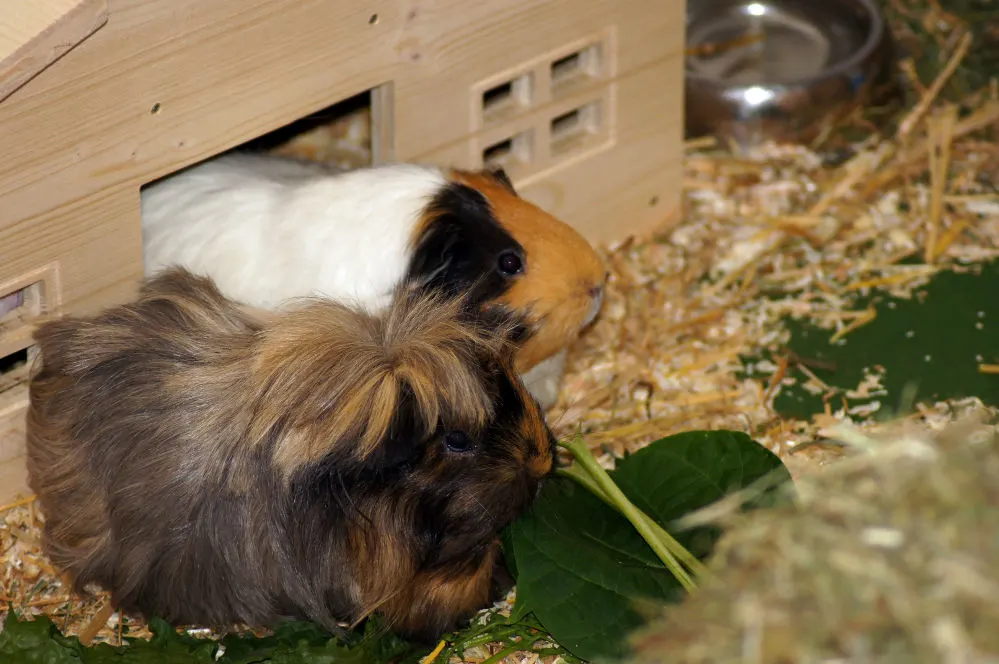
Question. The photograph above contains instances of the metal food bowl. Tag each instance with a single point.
(782, 69)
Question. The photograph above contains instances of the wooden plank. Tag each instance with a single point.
(171, 82)
(13, 474)
(13, 404)
(36, 33)
(84, 264)
(13, 480)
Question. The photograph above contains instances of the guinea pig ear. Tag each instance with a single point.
(500, 176)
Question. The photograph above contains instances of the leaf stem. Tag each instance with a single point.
(491, 635)
(597, 481)
(677, 549)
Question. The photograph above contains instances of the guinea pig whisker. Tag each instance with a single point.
(369, 610)
(489, 514)
(557, 421)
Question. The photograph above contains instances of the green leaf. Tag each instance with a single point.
(582, 568)
(931, 344)
(33, 642)
(579, 564)
(703, 467)
(38, 641)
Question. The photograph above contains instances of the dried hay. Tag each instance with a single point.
(770, 232)
(888, 555)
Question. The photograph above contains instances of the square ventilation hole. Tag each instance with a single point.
(14, 368)
(507, 96)
(509, 153)
(19, 306)
(575, 129)
(578, 66)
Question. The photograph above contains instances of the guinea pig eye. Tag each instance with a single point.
(510, 263)
(457, 441)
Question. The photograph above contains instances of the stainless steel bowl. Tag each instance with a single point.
(782, 69)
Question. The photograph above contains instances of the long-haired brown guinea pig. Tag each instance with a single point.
(268, 228)
(212, 464)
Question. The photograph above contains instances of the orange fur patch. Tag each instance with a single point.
(562, 274)
(535, 429)
(442, 592)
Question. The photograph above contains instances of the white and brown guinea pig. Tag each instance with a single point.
(267, 228)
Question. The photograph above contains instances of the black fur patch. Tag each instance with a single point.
(460, 249)
(510, 410)
(399, 451)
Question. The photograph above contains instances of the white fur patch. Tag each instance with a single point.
(544, 381)
(267, 229)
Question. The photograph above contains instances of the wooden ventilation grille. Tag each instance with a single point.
(547, 112)
(22, 302)
(18, 307)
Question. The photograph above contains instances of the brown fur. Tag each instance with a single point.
(212, 464)
(563, 274)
